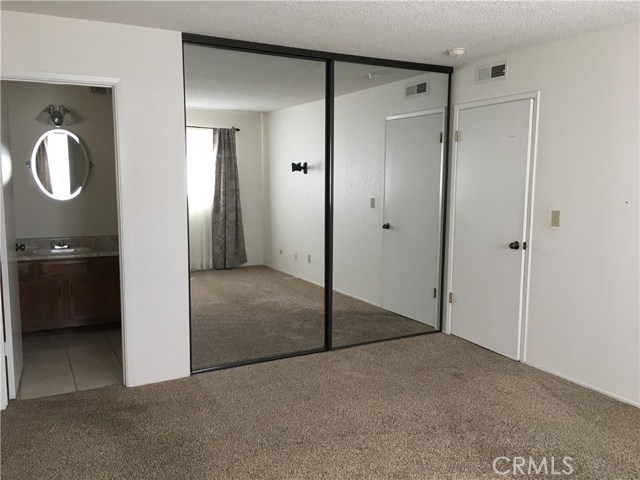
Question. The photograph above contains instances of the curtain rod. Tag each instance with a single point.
(209, 128)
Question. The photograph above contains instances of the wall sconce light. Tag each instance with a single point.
(299, 167)
(51, 116)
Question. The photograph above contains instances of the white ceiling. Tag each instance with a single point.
(413, 31)
(230, 80)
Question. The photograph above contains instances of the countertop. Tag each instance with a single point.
(30, 255)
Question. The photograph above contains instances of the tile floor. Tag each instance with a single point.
(62, 362)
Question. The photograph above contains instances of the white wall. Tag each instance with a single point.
(249, 152)
(94, 211)
(359, 156)
(294, 202)
(149, 108)
(584, 316)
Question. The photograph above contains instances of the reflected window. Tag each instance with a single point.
(200, 168)
(57, 148)
(200, 190)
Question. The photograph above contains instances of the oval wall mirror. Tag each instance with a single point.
(60, 164)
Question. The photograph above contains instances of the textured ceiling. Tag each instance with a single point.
(262, 83)
(413, 31)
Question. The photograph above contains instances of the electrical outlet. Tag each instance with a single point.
(295, 255)
(372, 202)
(555, 218)
(308, 258)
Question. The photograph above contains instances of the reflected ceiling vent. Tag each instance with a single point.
(100, 90)
(421, 88)
(491, 72)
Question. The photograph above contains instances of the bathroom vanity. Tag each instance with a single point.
(69, 292)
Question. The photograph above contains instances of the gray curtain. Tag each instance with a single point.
(42, 165)
(228, 234)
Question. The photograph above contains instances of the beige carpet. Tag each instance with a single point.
(427, 407)
(257, 312)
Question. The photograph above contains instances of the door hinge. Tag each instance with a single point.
(435, 293)
(524, 245)
(450, 297)
(441, 137)
(456, 136)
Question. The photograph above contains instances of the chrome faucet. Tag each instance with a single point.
(59, 244)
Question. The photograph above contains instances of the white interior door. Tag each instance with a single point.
(9, 270)
(492, 162)
(411, 243)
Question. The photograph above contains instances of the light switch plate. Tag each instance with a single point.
(372, 203)
(555, 218)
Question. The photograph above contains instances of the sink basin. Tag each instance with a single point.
(63, 251)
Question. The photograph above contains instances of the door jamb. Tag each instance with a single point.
(529, 206)
(114, 84)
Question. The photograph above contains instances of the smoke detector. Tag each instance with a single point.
(456, 51)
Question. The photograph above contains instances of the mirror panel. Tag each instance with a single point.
(388, 188)
(60, 164)
(265, 297)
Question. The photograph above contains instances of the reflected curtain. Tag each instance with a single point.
(227, 231)
(200, 187)
(42, 165)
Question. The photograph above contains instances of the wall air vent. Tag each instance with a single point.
(100, 90)
(421, 88)
(491, 72)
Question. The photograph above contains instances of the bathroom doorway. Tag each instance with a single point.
(62, 304)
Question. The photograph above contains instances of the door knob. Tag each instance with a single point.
(386, 226)
(514, 245)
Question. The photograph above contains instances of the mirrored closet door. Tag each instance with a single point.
(256, 197)
(388, 202)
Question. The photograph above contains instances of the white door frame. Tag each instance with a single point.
(528, 206)
(114, 84)
(441, 199)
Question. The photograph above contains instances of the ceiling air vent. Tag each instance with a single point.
(491, 72)
(100, 90)
(421, 88)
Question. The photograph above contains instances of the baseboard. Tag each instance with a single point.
(292, 275)
(338, 291)
(341, 292)
(573, 380)
(586, 385)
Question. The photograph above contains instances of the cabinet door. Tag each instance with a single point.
(43, 304)
(94, 299)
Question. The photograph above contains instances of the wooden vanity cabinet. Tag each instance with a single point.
(69, 292)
